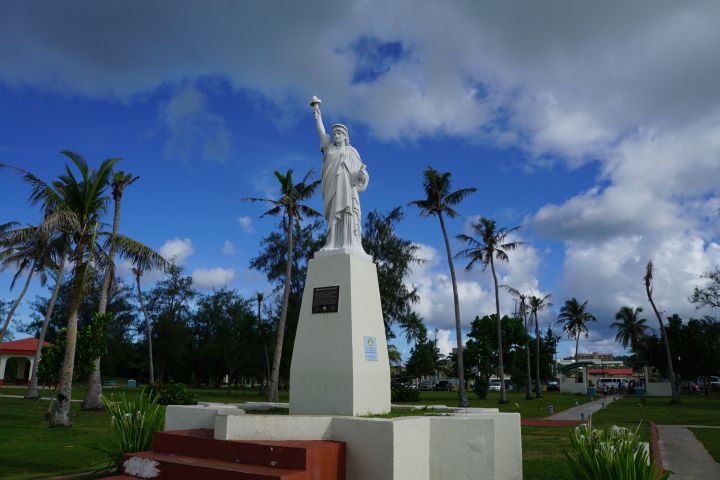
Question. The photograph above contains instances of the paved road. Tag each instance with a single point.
(684, 455)
(581, 411)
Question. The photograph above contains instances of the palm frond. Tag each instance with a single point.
(459, 195)
(142, 256)
(273, 211)
(41, 192)
(308, 212)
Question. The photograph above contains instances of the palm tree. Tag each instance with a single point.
(93, 395)
(29, 250)
(75, 205)
(671, 372)
(576, 317)
(138, 272)
(62, 243)
(491, 243)
(414, 327)
(537, 304)
(631, 329)
(439, 201)
(522, 310)
(290, 207)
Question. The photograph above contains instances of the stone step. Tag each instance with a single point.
(200, 443)
(182, 467)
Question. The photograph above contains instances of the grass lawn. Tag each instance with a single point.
(710, 437)
(70, 450)
(628, 412)
(527, 408)
(32, 450)
(203, 394)
(543, 453)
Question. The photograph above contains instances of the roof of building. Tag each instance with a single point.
(575, 366)
(26, 346)
(610, 371)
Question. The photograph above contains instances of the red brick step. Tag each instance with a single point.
(195, 454)
(173, 466)
(200, 443)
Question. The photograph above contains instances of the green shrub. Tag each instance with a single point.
(615, 454)
(171, 394)
(134, 422)
(404, 393)
(480, 387)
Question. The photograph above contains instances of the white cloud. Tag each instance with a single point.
(632, 87)
(178, 250)
(475, 289)
(560, 77)
(228, 248)
(246, 223)
(444, 343)
(209, 278)
(193, 131)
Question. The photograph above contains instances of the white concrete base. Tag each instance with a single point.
(190, 417)
(464, 447)
(334, 370)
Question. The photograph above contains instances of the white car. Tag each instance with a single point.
(494, 386)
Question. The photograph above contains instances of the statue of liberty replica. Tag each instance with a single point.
(340, 362)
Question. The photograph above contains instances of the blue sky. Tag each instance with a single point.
(595, 128)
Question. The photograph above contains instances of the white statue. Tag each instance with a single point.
(343, 176)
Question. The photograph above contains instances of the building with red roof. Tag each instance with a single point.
(24, 351)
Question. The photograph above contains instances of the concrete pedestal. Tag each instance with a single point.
(340, 362)
(465, 446)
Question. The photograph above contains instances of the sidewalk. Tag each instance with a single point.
(684, 455)
(582, 411)
(41, 398)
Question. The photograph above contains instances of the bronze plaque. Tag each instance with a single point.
(325, 299)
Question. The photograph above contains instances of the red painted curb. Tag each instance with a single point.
(655, 446)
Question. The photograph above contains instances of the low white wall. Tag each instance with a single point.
(573, 388)
(229, 426)
(661, 389)
(460, 447)
(188, 417)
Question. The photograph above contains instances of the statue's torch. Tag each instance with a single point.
(315, 103)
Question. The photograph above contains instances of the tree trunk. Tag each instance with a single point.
(577, 341)
(501, 364)
(60, 413)
(462, 393)
(538, 393)
(32, 391)
(275, 374)
(528, 390)
(16, 303)
(668, 356)
(93, 395)
(147, 326)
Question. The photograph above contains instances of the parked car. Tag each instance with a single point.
(553, 385)
(444, 385)
(616, 384)
(714, 382)
(689, 386)
(425, 386)
(495, 386)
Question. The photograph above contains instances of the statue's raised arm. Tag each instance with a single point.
(315, 104)
(343, 177)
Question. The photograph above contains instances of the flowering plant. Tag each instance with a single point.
(614, 454)
(134, 422)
